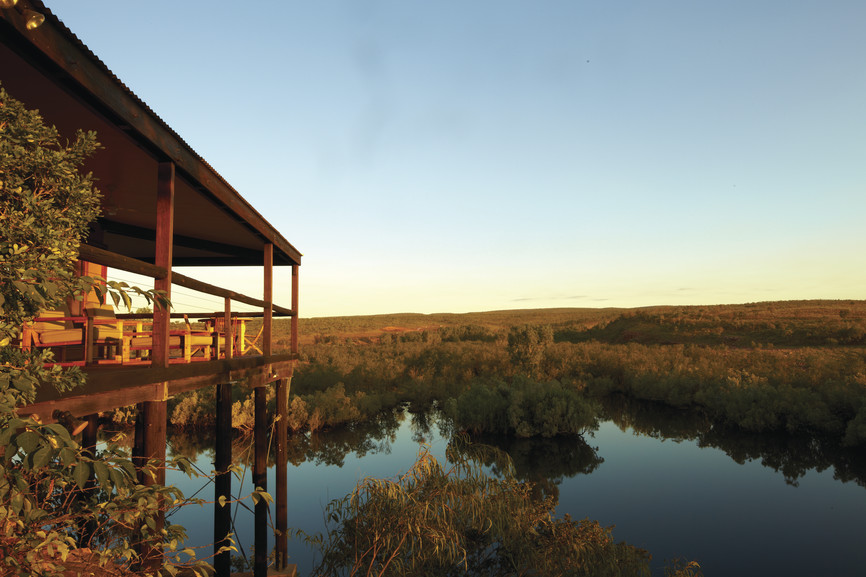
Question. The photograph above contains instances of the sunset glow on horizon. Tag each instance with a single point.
(457, 157)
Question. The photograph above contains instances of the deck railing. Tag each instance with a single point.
(149, 384)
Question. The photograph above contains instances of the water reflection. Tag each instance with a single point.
(544, 462)
(791, 455)
(371, 437)
(658, 493)
(326, 448)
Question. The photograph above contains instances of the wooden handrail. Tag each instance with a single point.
(202, 315)
(118, 261)
(125, 263)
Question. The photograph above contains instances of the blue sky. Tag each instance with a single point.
(458, 156)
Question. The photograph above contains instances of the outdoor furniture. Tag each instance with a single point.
(93, 338)
(55, 330)
(103, 334)
(189, 345)
(241, 344)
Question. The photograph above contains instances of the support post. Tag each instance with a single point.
(150, 426)
(229, 329)
(269, 301)
(88, 442)
(150, 443)
(295, 299)
(162, 258)
(260, 467)
(223, 481)
(281, 473)
(260, 480)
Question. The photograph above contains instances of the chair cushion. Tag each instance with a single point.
(199, 340)
(53, 337)
(101, 312)
(102, 332)
(147, 342)
(49, 325)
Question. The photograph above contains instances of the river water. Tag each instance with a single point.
(669, 482)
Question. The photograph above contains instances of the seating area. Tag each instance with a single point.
(100, 336)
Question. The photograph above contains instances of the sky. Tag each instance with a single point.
(458, 156)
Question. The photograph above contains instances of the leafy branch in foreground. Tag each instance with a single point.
(62, 508)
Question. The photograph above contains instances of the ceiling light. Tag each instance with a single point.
(34, 19)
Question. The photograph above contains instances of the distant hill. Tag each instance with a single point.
(779, 324)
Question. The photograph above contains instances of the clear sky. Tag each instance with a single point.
(454, 156)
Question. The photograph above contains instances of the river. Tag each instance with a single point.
(669, 481)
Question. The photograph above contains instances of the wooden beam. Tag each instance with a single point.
(197, 285)
(86, 77)
(111, 387)
(120, 262)
(226, 251)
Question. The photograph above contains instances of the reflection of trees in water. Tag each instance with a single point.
(423, 421)
(791, 455)
(325, 448)
(654, 419)
(547, 461)
(544, 462)
(370, 437)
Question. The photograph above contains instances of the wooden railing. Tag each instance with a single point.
(150, 386)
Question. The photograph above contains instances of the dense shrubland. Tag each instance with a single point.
(756, 367)
(523, 386)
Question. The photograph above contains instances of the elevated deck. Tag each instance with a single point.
(162, 206)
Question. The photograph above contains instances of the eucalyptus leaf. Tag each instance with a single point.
(81, 474)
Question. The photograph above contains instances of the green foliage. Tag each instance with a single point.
(462, 521)
(523, 408)
(526, 347)
(683, 568)
(855, 432)
(464, 333)
(191, 410)
(47, 207)
(699, 357)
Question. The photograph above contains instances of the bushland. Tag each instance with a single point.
(796, 367)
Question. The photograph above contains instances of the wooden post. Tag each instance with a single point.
(88, 442)
(295, 299)
(260, 470)
(281, 474)
(223, 482)
(229, 329)
(269, 301)
(260, 480)
(223, 458)
(150, 443)
(163, 257)
(150, 427)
